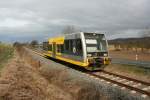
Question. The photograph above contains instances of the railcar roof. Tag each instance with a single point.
(62, 37)
(92, 32)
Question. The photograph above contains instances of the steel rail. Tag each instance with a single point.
(128, 78)
(120, 84)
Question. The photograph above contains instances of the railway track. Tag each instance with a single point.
(134, 85)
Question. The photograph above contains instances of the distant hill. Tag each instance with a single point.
(124, 40)
(143, 42)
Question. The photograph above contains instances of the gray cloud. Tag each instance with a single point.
(21, 19)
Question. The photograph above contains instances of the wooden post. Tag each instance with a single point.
(136, 57)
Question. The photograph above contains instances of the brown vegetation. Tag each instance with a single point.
(26, 77)
(20, 81)
(6, 52)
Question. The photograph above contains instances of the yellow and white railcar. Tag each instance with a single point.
(88, 50)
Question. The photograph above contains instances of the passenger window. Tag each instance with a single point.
(50, 47)
(79, 47)
(62, 48)
(66, 45)
(73, 47)
(45, 46)
(58, 48)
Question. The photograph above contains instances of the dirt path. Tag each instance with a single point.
(20, 81)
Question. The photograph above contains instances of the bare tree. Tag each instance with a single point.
(16, 44)
(145, 41)
(34, 43)
(146, 32)
(70, 29)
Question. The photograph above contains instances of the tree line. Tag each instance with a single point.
(130, 43)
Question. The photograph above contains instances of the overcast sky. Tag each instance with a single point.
(23, 20)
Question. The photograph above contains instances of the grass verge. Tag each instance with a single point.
(6, 52)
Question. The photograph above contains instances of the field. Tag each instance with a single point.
(131, 55)
(6, 52)
(130, 70)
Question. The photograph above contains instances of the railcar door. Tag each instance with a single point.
(54, 49)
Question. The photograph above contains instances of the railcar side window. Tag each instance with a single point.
(58, 48)
(73, 47)
(49, 47)
(62, 48)
(66, 45)
(45, 46)
(79, 51)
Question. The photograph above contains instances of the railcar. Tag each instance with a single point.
(88, 50)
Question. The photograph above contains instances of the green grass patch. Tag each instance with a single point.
(6, 52)
(135, 69)
(132, 69)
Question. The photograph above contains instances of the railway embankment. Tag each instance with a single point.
(30, 76)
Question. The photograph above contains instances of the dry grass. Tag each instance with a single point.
(6, 52)
(20, 81)
(79, 90)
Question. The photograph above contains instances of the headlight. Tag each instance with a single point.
(91, 61)
(105, 54)
(89, 55)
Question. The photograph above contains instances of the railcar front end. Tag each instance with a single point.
(96, 51)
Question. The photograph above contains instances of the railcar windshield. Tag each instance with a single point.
(95, 42)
